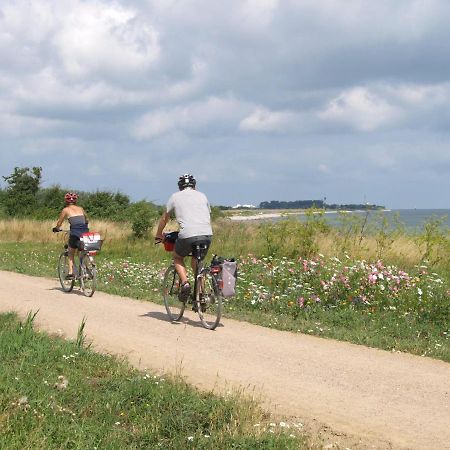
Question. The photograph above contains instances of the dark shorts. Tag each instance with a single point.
(183, 247)
(74, 241)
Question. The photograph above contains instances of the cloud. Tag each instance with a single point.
(108, 39)
(301, 96)
(194, 117)
(268, 121)
(362, 110)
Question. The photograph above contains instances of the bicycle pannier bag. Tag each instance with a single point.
(90, 242)
(169, 240)
(229, 273)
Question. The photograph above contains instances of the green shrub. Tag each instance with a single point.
(432, 239)
(143, 217)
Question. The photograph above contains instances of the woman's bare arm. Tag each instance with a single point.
(62, 216)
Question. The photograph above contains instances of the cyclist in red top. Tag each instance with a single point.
(78, 225)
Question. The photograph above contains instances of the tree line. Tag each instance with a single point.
(306, 204)
(23, 197)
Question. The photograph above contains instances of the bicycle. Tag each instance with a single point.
(85, 272)
(205, 298)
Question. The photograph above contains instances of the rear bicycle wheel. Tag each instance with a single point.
(208, 300)
(88, 276)
(171, 289)
(63, 271)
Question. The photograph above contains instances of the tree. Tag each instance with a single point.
(23, 185)
(50, 201)
(105, 205)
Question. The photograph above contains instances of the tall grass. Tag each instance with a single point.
(29, 230)
(289, 237)
(54, 395)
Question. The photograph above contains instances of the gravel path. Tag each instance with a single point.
(353, 395)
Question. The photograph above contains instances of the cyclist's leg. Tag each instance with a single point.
(71, 252)
(182, 249)
(178, 262)
(73, 247)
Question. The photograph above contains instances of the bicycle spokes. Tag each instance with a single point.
(171, 289)
(208, 301)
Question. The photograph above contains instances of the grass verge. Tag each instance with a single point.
(57, 394)
(136, 277)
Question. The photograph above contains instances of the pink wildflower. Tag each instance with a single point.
(373, 278)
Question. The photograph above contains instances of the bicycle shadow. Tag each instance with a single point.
(183, 321)
(73, 291)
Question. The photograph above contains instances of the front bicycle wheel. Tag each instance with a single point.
(63, 272)
(171, 289)
(88, 276)
(208, 300)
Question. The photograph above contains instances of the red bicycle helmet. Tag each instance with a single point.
(71, 197)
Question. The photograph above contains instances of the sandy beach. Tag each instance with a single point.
(274, 215)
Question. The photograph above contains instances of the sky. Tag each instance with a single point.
(260, 100)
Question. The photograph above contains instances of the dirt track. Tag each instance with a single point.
(357, 396)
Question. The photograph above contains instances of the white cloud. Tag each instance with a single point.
(196, 116)
(265, 120)
(420, 96)
(361, 109)
(257, 14)
(15, 125)
(103, 37)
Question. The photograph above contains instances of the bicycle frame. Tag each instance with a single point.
(85, 272)
(205, 296)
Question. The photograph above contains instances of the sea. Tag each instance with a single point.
(411, 219)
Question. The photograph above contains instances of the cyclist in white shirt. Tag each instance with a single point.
(193, 214)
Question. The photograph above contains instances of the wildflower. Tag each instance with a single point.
(190, 438)
(23, 402)
(372, 278)
(62, 383)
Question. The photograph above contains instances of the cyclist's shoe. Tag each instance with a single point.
(185, 290)
(70, 276)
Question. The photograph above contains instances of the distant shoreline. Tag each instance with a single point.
(276, 215)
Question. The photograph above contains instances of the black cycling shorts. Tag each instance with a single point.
(183, 247)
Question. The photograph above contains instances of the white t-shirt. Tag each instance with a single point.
(192, 212)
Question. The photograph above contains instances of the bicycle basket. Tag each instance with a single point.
(90, 242)
(169, 241)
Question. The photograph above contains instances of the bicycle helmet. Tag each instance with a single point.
(71, 197)
(185, 181)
